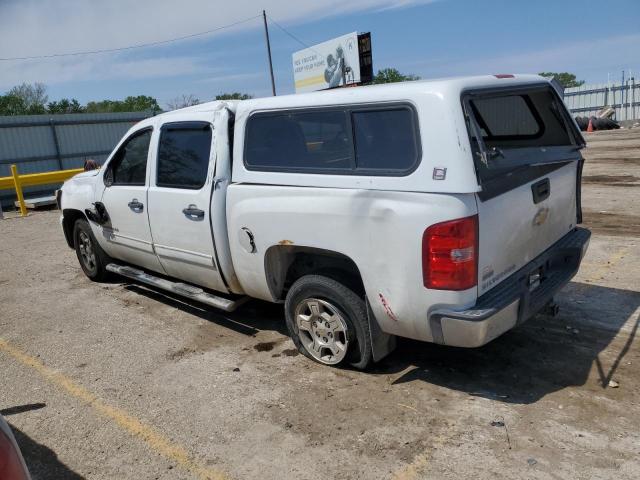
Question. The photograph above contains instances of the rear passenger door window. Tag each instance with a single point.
(347, 140)
(183, 155)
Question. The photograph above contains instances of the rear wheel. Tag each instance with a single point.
(328, 322)
(92, 258)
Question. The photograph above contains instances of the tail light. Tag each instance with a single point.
(11, 466)
(450, 254)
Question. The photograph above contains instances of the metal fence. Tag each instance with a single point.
(43, 143)
(624, 98)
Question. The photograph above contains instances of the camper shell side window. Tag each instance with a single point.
(376, 140)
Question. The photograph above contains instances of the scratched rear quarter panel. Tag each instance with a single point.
(381, 231)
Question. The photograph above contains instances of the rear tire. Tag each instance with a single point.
(92, 258)
(328, 322)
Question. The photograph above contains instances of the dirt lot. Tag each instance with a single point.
(107, 381)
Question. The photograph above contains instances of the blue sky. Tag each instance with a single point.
(427, 38)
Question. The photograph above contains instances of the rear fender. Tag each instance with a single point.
(284, 264)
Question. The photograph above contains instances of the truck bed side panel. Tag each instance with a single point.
(380, 231)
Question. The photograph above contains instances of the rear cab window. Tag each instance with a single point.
(518, 134)
(367, 140)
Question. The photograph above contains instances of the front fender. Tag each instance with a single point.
(79, 193)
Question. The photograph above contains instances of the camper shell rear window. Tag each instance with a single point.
(525, 129)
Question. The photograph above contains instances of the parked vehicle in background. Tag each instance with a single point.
(12, 466)
(445, 211)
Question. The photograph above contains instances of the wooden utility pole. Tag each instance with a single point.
(266, 33)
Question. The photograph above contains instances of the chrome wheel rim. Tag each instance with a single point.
(87, 253)
(322, 330)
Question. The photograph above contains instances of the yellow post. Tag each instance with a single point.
(18, 187)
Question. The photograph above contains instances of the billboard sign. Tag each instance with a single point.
(330, 64)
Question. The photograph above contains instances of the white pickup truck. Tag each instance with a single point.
(445, 211)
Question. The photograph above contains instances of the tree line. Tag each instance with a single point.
(391, 75)
(32, 99)
(183, 101)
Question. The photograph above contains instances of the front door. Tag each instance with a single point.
(128, 236)
(180, 203)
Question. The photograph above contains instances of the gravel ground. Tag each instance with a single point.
(113, 380)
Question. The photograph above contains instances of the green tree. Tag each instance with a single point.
(25, 99)
(32, 99)
(566, 79)
(234, 96)
(392, 75)
(104, 106)
(34, 96)
(12, 105)
(65, 106)
(140, 103)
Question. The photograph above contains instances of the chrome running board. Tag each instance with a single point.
(182, 289)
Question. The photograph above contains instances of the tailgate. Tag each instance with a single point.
(514, 229)
(527, 156)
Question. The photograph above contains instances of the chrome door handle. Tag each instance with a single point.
(135, 205)
(193, 212)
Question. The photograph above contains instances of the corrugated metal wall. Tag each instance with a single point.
(586, 100)
(42, 143)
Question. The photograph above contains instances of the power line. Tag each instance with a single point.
(288, 32)
(294, 37)
(131, 47)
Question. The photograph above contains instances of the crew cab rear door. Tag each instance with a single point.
(528, 161)
(179, 200)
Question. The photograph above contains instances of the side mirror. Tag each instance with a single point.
(108, 177)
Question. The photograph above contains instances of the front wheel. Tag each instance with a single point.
(92, 258)
(328, 322)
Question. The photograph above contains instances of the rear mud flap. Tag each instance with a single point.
(382, 344)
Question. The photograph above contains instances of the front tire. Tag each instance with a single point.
(328, 322)
(92, 258)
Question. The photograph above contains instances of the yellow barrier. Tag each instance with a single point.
(16, 182)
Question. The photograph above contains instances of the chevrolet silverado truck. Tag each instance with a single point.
(445, 211)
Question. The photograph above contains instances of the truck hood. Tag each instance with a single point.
(90, 173)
